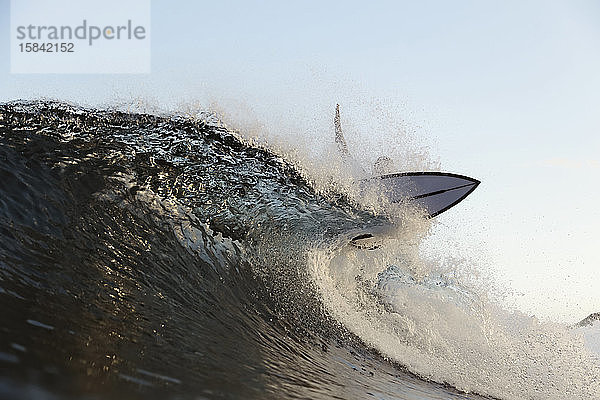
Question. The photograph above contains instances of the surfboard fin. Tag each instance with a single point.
(371, 238)
(366, 241)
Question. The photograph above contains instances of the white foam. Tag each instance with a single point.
(591, 336)
(420, 313)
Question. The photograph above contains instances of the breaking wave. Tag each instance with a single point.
(166, 256)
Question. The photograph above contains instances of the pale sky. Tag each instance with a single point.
(505, 91)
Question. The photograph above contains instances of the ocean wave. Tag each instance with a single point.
(165, 256)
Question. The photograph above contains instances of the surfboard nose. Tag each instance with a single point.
(435, 192)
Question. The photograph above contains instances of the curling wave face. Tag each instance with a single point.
(149, 256)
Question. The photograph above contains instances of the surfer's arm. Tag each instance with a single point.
(339, 136)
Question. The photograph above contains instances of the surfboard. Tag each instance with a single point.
(435, 192)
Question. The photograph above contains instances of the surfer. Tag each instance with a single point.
(435, 192)
(382, 166)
